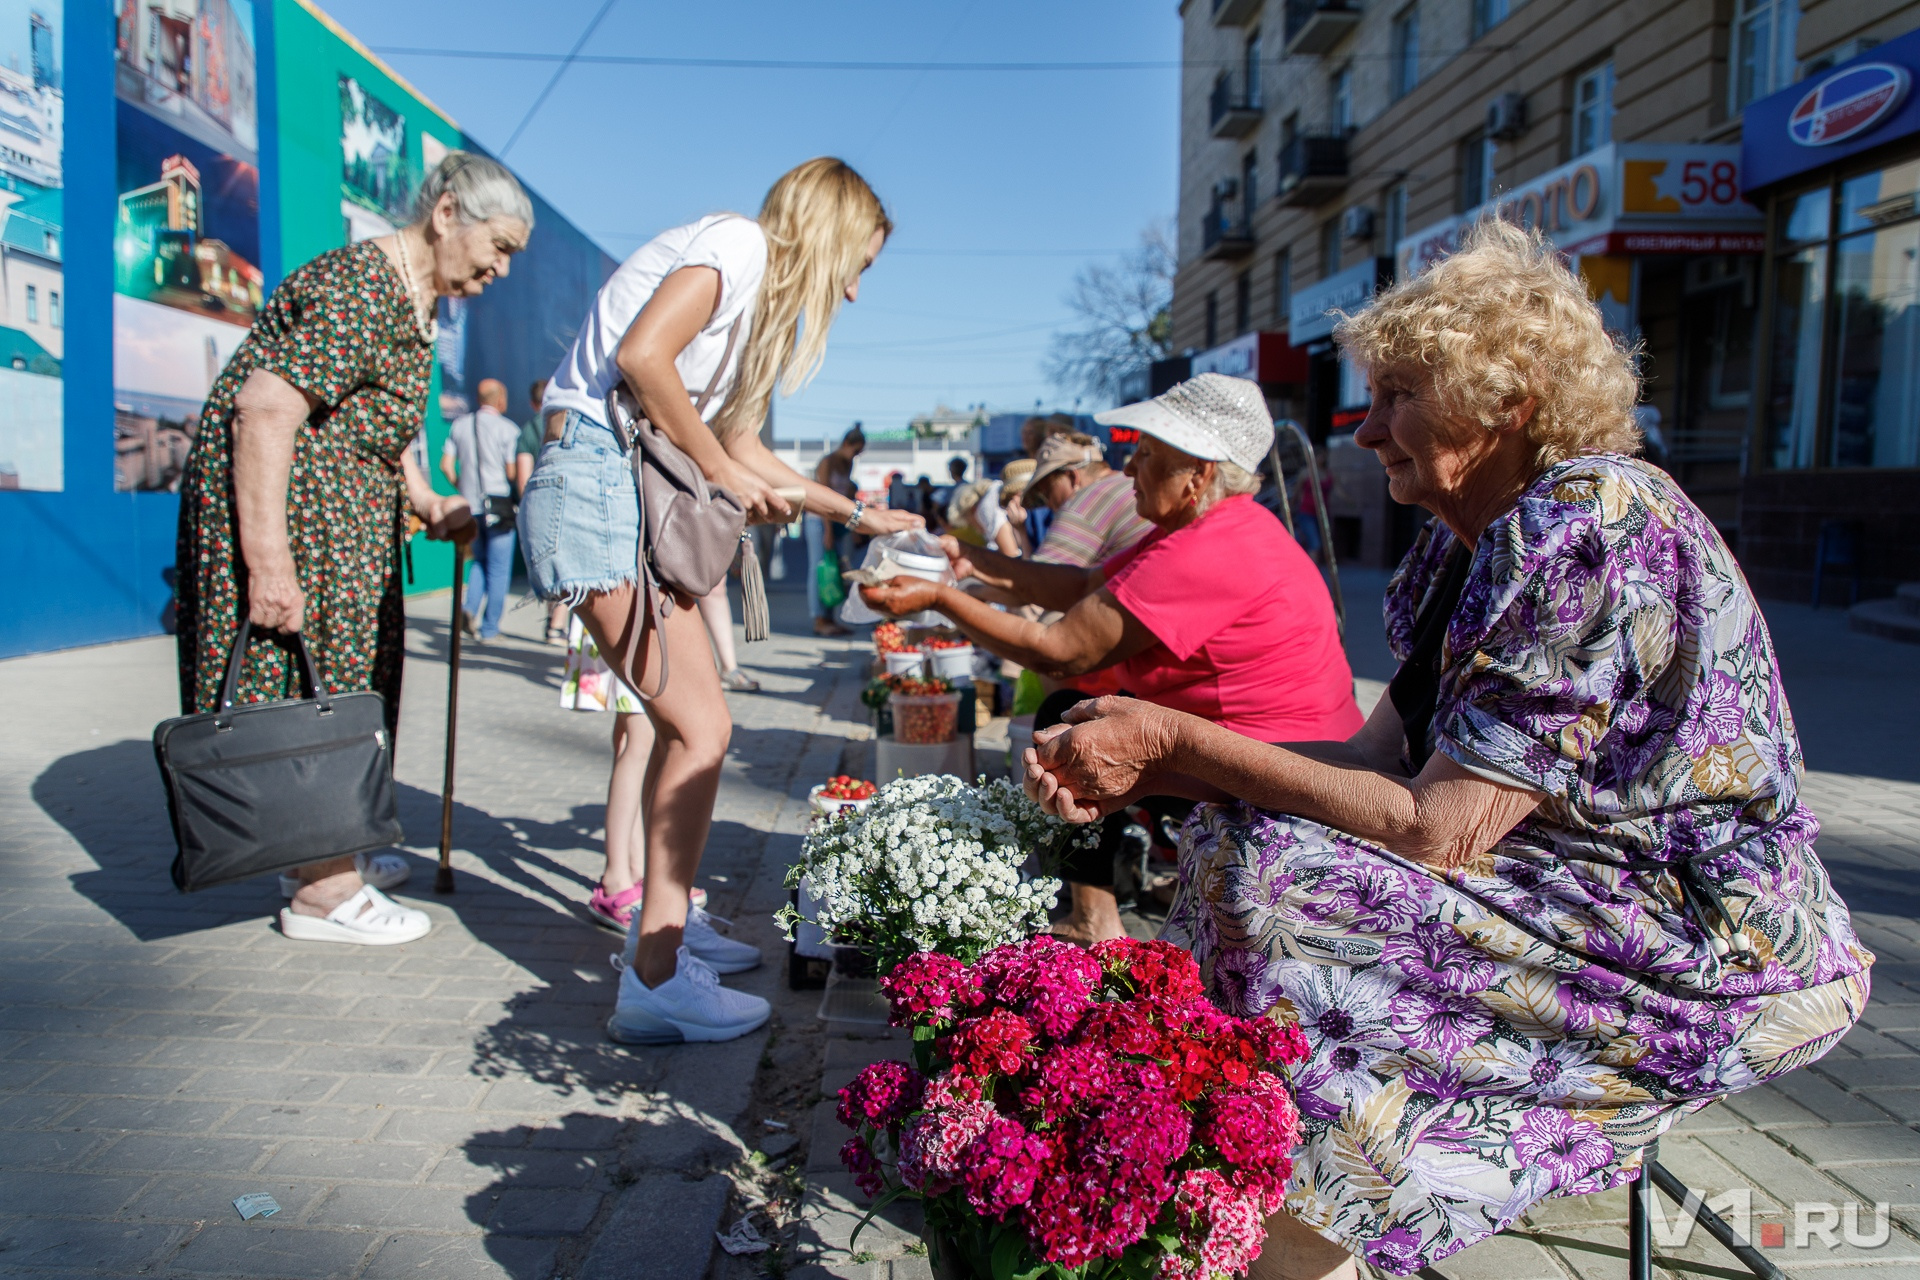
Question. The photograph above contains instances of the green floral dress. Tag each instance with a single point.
(339, 329)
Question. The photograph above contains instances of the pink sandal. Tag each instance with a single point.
(615, 910)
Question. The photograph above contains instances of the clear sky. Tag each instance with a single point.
(1002, 183)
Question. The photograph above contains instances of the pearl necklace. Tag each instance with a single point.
(429, 327)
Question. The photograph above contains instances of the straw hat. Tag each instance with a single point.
(1016, 476)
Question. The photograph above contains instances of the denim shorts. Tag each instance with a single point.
(580, 516)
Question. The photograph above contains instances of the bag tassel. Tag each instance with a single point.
(756, 616)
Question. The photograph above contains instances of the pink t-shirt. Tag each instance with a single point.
(1246, 628)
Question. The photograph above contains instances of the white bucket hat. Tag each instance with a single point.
(1212, 417)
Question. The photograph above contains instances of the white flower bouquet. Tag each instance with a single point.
(932, 864)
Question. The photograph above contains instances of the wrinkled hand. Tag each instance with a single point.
(899, 597)
(274, 598)
(449, 519)
(763, 503)
(879, 520)
(1106, 755)
(957, 556)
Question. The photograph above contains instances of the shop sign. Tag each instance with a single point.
(1258, 357)
(1312, 316)
(1847, 104)
(1859, 105)
(1674, 197)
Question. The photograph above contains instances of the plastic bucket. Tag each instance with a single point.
(909, 663)
(951, 664)
(924, 719)
(825, 805)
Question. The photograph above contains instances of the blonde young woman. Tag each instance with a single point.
(663, 322)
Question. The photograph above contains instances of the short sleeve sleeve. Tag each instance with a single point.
(1545, 648)
(737, 249)
(332, 332)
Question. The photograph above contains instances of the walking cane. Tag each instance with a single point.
(443, 878)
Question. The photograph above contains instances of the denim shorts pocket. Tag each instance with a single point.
(541, 512)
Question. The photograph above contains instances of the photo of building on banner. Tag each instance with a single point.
(33, 300)
(186, 243)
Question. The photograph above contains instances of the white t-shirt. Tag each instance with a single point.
(730, 244)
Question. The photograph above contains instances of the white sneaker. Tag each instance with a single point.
(722, 955)
(369, 918)
(381, 870)
(691, 1005)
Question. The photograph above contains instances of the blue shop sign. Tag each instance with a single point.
(1859, 105)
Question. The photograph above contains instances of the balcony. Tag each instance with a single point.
(1234, 13)
(1315, 26)
(1232, 111)
(1223, 236)
(1313, 168)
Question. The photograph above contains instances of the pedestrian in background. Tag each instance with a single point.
(479, 459)
(532, 436)
(290, 504)
(835, 471)
(1033, 433)
(715, 303)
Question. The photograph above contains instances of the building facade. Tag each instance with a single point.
(1330, 146)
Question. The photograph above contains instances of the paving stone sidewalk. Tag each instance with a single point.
(445, 1108)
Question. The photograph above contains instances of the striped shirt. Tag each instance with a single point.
(1096, 524)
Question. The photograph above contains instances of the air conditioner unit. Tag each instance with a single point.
(1357, 222)
(1507, 116)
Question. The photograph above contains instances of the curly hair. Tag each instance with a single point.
(1501, 319)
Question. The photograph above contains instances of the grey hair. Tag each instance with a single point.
(1230, 480)
(482, 188)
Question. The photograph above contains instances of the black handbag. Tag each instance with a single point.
(266, 786)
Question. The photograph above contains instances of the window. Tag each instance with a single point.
(1251, 70)
(1394, 216)
(1283, 289)
(33, 305)
(1213, 319)
(1476, 172)
(1763, 48)
(1842, 387)
(1342, 95)
(1329, 248)
(1593, 109)
(1243, 303)
(1404, 56)
(54, 317)
(1249, 183)
(1488, 14)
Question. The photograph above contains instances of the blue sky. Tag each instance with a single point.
(1002, 183)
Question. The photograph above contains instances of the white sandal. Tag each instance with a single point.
(369, 918)
(381, 870)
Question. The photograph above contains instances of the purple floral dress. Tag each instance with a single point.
(1523, 1026)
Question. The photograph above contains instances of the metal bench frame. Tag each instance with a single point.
(1640, 1227)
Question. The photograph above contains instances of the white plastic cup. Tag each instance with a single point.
(951, 664)
(931, 568)
(908, 663)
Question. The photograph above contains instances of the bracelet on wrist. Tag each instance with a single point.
(854, 517)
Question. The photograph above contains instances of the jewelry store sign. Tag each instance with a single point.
(1625, 197)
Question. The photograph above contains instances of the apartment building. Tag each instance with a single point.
(1330, 146)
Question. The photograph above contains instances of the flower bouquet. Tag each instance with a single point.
(1077, 1114)
(930, 864)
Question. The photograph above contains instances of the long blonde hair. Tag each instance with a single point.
(817, 218)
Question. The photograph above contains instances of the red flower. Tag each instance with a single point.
(994, 1045)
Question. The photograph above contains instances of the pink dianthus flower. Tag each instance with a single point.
(860, 1161)
(930, 986)
(883, 1096)
(1220, 1230)
(1002, 1166)
(994, 1045)
(933, 1144)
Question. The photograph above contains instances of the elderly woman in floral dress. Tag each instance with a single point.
(1560, 891)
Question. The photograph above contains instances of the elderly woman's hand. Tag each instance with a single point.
(449, 518)
(956, 552)
(1107, 753)
(901, 596)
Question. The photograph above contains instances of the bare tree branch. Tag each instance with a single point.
(1124, 319)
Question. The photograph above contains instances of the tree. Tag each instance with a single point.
(1125, 322)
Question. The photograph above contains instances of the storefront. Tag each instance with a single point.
(1835, 445)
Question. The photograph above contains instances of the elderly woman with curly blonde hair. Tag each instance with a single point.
(1560, 890)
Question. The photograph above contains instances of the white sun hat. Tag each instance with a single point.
(1212, 417)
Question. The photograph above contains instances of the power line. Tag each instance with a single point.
(813, 64)
(572, 56)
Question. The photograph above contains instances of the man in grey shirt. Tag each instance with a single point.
(479, 461)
